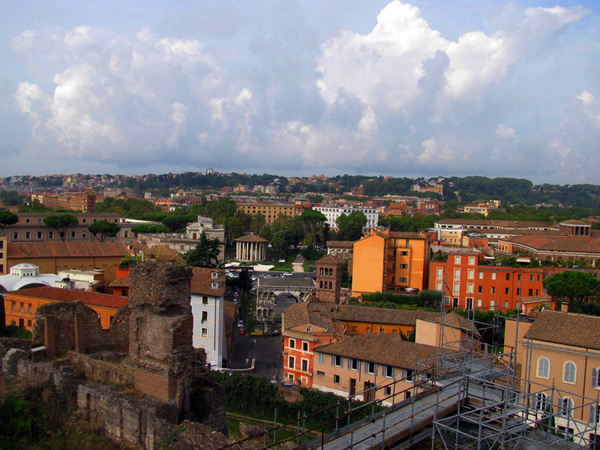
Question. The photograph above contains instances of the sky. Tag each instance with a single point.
(298, 87)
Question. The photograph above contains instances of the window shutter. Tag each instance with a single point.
(594, 377)
(592, 414)
(332, 360)
(383, 371)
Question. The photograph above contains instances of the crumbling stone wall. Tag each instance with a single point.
(74, 326)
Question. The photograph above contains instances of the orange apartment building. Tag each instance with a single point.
(466, 284)
(308, 325)
(559, 357)
(390, 261)
(21, 305)
(270, 211)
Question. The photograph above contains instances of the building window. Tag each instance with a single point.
(292, 343)
(471, 260)
(50, 234)
(493, 289)
(305, 365)
(481, 275)
(355, 364)
(204, 332)
(336, 379)
(471, 274)
(370, 367)
(470, 288)
(505, 304)
(457, 260)
(507, 276)
(440, 273)
(389, 371)
(16, 235)
(304, 346)
(320, 373)
(438, 286)
(493, 275)
(594, 415)
(337, 361)
(543, 369)
(492, 304)
(540, 401)
(456, 288)
(291, 362)
(403, 253)
(506, 291)
(214, 275)
(205, 300)
(565, 407)
(456, 274)
(569, 372)
(402, 280)
(27, 235)
(519, 277)
(480, 289)
(596, 377)
(204, 316)
(531, 278)
(404, 266)
(388, 390)
(479, 303)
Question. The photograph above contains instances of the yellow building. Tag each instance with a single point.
(271, 211)
(390, 261)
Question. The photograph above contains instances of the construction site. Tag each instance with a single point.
(473, 395)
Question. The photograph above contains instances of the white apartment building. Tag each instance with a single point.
(333, 212)
(208, 309)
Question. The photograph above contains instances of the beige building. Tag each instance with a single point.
(358, 365)
(559, 358)
(270, 211)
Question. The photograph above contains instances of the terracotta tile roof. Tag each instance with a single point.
(340, 244)
(121, 282)
(250, 238)
(385, 348)
(66, 249)
(328, 259)
(69, 295)
(350, 313)
(557, 243)
(202, 282)
(302, 314)
(577, 330)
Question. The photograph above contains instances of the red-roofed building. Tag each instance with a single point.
(21, 305)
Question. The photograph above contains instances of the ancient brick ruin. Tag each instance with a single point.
(134, 380)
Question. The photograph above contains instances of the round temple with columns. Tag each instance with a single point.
(250, 248)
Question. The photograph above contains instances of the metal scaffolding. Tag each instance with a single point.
(502, 409)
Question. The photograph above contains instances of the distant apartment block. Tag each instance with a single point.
(332, 213)
(390, 261)
(270, 211)
(84, 202)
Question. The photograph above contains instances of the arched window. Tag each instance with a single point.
(321, 271)
(321, 284)
(543, 369)
(565, 407)
(330, 285)
(569, 372)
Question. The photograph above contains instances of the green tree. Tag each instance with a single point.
(572, 285)
(176, 222)
(258, 222)
(281, 242)
(313, 220)
(351, 225)
(149, 228)
(61, 223)
(206, 253)
(103, 229)
(7, 218)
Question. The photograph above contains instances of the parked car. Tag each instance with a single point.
(256, 333)
(241, 330)
(275, 333)
(240, 324)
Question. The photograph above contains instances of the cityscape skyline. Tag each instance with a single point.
(420, 88)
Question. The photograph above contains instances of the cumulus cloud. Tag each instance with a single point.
(586, 97)
(399, 98)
